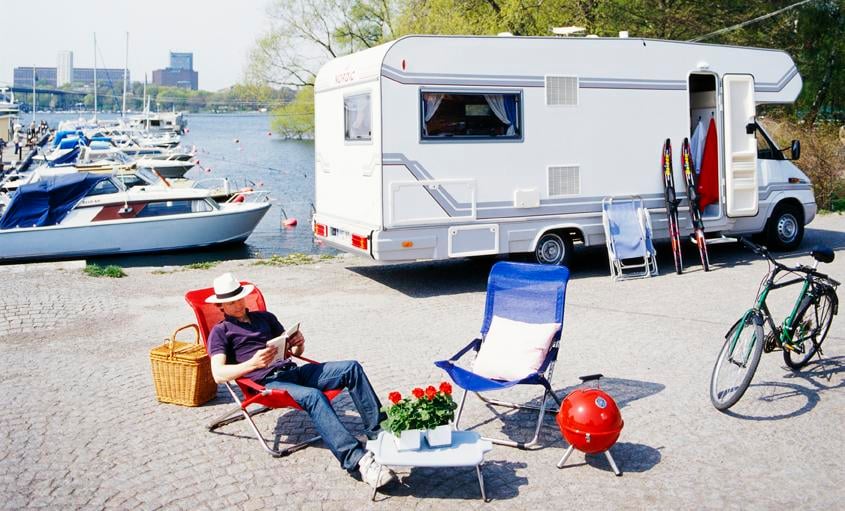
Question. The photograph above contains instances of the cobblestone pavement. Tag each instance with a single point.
(82, 428)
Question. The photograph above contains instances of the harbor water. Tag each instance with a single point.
(242, 145)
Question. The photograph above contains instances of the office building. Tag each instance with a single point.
(105, 77)
(180, 73)
(64, 68)
(44, 76)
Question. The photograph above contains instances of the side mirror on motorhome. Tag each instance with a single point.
(750, 128)
(795, 148)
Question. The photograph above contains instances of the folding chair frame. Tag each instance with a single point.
(545, 378)
(617, 266)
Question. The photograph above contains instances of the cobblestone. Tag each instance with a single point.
(83, 429)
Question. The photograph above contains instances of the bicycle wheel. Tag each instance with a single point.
(736, 365)
(812, 324)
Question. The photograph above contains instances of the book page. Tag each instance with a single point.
(281, 343)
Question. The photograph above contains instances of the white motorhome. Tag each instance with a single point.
(433, 147)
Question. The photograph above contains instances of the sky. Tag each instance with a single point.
(220, 33)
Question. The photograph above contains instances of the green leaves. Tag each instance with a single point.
(419, 413)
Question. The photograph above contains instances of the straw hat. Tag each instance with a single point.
(228, 289)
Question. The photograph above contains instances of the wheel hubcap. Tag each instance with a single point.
(787, 228)
(550, 251)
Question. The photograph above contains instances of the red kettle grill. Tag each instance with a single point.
(590, 421)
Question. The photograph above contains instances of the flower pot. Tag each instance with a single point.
(408, 440)
(439, 436)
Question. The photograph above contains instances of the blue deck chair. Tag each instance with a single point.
(627, 231)
(529, 293)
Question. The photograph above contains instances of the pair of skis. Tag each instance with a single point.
(672, 205)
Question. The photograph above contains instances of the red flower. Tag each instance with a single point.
(418, 393)
(445, 388)
(430, 392)
(394, 397)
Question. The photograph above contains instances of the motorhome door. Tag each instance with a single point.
(740, 146)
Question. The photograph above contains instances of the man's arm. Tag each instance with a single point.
(224, 372)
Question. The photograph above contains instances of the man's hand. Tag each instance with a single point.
(296, 343)
(263, 357)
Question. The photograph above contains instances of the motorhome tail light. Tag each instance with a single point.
(320, 229)
(359, 241)
(794, 180)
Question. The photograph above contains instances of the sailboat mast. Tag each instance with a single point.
(95, 76)
(125, 73)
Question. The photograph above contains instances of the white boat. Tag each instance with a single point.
(90, 214)
(172, 166)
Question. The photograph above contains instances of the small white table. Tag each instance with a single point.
(467, 450)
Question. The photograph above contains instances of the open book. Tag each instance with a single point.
(281, 343)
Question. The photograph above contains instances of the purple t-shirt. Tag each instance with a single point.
(239, 341)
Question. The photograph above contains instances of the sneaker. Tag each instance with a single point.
(374, 473)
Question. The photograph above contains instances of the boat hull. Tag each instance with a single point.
(232, 224)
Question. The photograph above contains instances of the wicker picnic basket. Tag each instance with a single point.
(182, 371)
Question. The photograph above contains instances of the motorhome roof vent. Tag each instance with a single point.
(562, 90)
(564, 180)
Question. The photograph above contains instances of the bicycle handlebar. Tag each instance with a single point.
(759, 249)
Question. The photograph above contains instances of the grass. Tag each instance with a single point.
(206, 265)
(295, 259)
(112, 271)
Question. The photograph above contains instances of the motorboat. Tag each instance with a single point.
(84, 214)
(172, 166)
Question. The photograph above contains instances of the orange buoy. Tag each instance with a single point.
(239, 198)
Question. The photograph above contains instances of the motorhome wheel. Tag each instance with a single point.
(785, 228)
(554, 248)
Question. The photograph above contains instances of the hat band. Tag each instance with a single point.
(223, 296)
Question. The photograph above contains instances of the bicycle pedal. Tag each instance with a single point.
(789, 347)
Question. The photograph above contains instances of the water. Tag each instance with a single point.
(241, 145)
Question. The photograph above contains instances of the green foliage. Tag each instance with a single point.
(296, 119)
(294, 259)
(112, 271)
(425, 409)
(205, 265)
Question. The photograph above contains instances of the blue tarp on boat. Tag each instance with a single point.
(66, 158)
(48, 201)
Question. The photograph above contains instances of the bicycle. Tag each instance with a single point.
(800, 336)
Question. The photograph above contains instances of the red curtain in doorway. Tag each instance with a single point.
(708, 178)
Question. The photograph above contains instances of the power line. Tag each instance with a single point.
(749, 22)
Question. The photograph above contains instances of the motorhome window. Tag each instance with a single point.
(470, 115)
(356, 116)
(766, 148)
(103, 188)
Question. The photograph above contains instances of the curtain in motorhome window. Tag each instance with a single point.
(356, 113)
(457, 115)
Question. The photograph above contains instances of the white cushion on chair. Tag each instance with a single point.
(512, 349)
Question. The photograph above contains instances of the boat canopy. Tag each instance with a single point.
(61, 135)
(48, 201)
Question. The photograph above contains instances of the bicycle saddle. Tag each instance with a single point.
(822, 254)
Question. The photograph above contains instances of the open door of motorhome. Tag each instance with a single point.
(741, 197)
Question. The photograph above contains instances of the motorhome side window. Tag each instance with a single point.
(356, 117)
(448, 115)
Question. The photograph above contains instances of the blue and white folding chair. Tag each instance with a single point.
(531, 295)
(627, 231)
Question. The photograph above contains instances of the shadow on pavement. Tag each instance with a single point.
(629, 457)
(501, 482)
(819, 376)
(456, 276)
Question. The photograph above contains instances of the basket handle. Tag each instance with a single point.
(185, 327)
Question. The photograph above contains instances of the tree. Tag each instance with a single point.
(296, 119)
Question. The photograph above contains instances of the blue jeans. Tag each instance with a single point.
(305, 385)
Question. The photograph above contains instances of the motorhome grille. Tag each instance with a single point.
(562, 90)
(564, 180)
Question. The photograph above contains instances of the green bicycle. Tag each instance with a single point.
(800, 336)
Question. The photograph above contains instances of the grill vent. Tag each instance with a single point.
(562, 90)
(564, 180)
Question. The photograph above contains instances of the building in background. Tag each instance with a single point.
(180, 73)
(84, 76)
(44, 76)
(64, 68)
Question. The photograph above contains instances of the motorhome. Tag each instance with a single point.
(435, 147)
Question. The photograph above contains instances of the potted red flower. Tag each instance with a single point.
(430, 410)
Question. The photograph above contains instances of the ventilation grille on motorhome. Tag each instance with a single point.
(564, 180)
(562, 90)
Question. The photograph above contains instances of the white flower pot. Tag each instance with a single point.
(408, 440)
(439, 436)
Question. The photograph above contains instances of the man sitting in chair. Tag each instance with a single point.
(238, 349)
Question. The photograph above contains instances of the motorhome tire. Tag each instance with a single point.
(554, 248)
(785, 228)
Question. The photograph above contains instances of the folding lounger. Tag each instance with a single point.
(627, 231)
(523, 315)
(208, 315)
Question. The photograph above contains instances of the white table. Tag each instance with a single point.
(467, 450)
